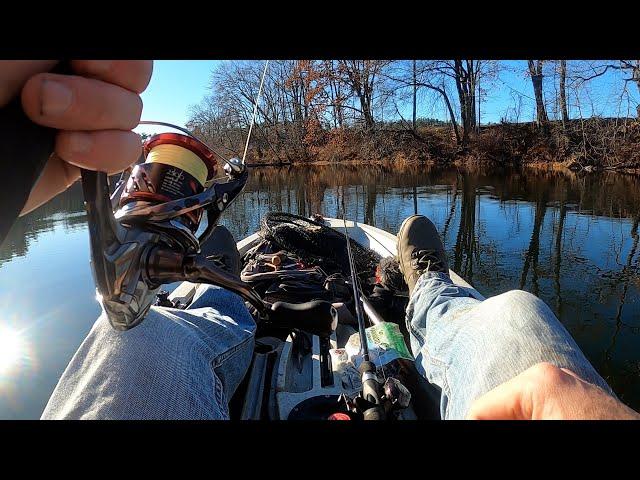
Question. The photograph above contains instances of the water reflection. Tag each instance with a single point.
(13, 350)
(570, 239)
(65, 211)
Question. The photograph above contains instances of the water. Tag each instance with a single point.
(572, 240)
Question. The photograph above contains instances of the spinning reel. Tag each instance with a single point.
(146, 233)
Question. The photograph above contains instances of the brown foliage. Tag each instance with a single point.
(596, 142)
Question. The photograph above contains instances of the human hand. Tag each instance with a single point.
(546, 392)
(94, 111)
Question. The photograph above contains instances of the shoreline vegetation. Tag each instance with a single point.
(573, 114)
(589, 146)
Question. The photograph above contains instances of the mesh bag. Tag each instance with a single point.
(390, 277)
(317, 244)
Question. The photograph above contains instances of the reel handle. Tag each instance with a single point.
(317, 317)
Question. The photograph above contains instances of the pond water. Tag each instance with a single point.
(570, 239)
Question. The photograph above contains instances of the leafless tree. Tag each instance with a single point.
(309, 104)
(562, 93)
(595, 69)
(466, 75)
(427, 74)
(415, 92)
(360, 77)
(535, 72)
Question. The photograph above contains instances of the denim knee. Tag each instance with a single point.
(517, 310)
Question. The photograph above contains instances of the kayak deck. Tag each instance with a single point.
(299, 385)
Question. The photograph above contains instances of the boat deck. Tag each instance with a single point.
(376, 239)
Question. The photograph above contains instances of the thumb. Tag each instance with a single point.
(508, 401)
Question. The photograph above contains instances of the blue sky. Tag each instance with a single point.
(512, 87)
(176, 85)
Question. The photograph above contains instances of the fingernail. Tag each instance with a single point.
(80, 142)
(56, 98)
(100, 66)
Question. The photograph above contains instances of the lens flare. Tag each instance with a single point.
(12, 349)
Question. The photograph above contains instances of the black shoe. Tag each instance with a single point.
(420, 249)
(221, 249)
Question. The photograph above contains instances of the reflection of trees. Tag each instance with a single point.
(466, 242)
(414, 191)
(608, 194)
(452, 208)
(303, 190)
(66, 209)
(370, 203)
(626, 275)
(301, 201)
(533, 252)
(558, 257)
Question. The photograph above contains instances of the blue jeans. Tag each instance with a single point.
(186, 364)
(467, 347)
(177, 364)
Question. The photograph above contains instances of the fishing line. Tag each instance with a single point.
(171, 156)
(179, 157)
(255, 111)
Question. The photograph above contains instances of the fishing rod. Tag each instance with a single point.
(371, 402)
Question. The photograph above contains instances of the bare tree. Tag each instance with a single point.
(562, 94)
(535, 72)
(309, 104)
(596, 69)
(428, 74)
(466, 75)
(415, 93)
(465, 78)
(360, 76)
(633, 68)
(336, 94)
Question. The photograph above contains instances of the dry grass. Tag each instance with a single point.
(594, 143)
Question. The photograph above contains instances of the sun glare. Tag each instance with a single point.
(11, 348)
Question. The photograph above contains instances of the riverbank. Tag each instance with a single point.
(588, 145)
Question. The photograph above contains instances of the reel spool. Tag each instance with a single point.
(176, 166)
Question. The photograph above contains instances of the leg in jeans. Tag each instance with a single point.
(467, 347)
(177, 364)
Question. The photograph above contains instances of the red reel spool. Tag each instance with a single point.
(177, 166)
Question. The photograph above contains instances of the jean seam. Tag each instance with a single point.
(445, 387)
(422, 338)
(434, 361)
(219, 395)
(227, 354)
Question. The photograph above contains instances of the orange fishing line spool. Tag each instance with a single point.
(176, 166)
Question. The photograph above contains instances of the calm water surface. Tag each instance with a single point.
(572, 240)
